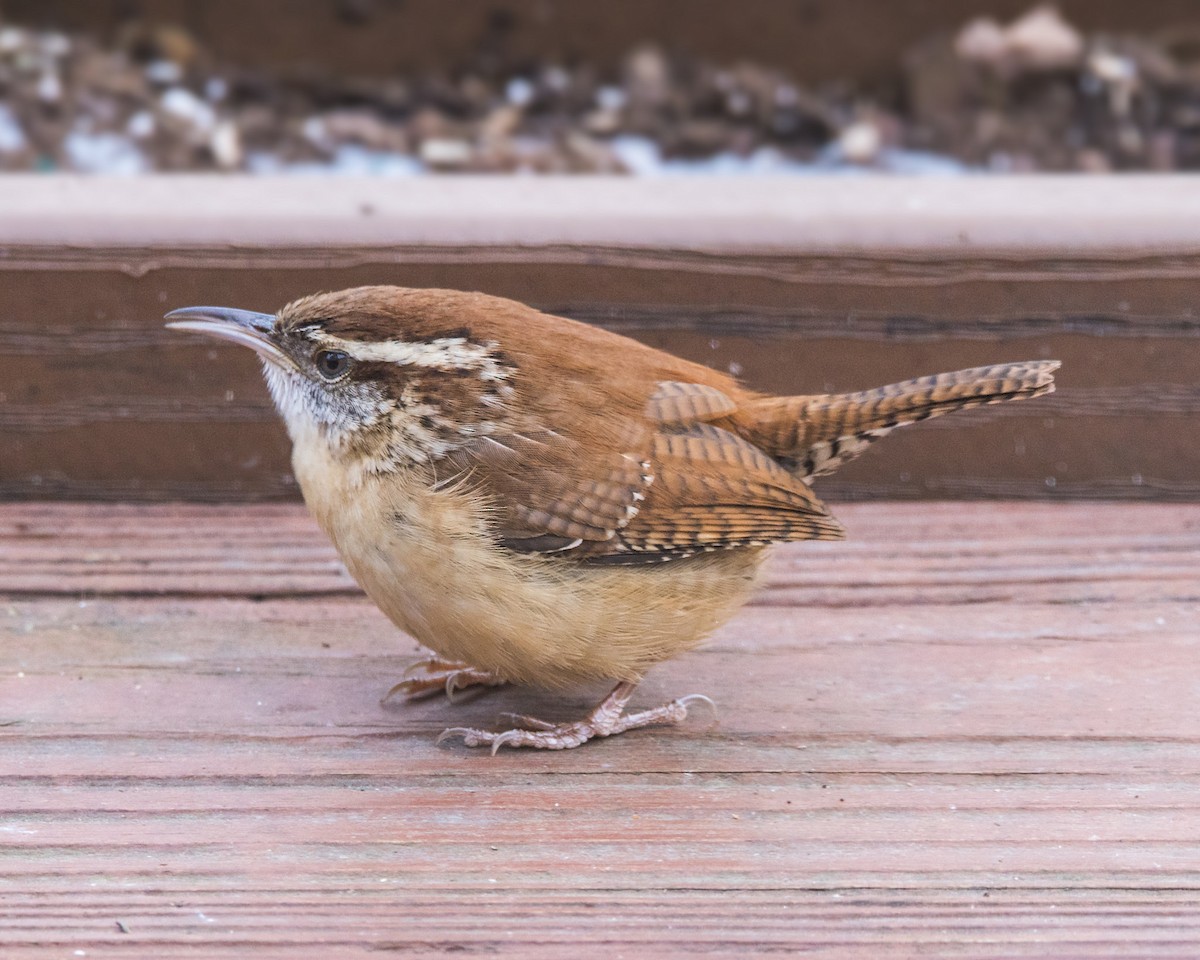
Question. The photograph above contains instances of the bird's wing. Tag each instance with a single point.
(551, 492)
(658, 486)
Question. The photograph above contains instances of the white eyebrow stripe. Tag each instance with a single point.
(444, 353)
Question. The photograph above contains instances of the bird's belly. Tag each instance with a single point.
(428, 561)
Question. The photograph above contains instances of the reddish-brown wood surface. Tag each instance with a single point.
(970, 731)
(797, 285)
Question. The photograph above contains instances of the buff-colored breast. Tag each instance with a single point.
(428, 561)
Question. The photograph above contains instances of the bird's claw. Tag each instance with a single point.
(442, 676)
(608, 719)
(691, 698)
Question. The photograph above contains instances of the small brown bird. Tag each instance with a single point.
(540, 501)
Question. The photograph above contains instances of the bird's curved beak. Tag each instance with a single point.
(246, 327)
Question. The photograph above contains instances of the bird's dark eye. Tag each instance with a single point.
(331, 364)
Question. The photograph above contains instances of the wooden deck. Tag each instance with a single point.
(970, 731)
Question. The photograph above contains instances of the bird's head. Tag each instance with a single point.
(390, 375)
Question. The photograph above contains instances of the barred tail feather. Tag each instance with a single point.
(813, 436)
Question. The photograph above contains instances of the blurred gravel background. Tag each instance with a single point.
(1031, 94)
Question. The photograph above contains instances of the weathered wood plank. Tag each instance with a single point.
(967, 732)
(796, 286)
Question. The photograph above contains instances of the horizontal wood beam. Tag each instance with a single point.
(1068, 219)
(796, 285)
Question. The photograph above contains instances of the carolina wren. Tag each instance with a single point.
(540, 501)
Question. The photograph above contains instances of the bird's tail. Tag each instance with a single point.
(815, 435)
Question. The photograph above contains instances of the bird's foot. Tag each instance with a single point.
(427, 678)
(607, 720)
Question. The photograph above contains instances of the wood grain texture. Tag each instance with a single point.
(969, 731)
(795, 286)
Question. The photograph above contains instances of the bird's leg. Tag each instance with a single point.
(608, 719)
(440, 676)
